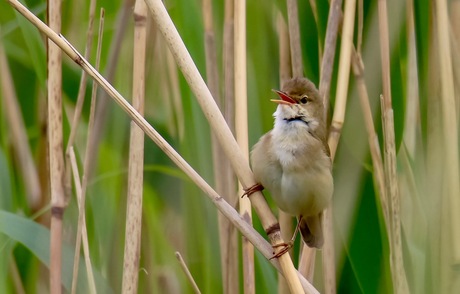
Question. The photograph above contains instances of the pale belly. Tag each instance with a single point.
(305, 189)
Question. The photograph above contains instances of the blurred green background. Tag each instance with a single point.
(176, 216)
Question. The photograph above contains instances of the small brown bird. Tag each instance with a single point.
(293, 160)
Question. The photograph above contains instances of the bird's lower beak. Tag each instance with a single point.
(285, 99)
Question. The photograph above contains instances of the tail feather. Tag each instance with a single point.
(311, 228)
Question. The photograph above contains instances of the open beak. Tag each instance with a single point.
(285, 99)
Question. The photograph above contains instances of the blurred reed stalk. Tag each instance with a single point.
(55, 148)
(223, 133)
(71, 161)
(187, 272)
(339, 112)
(223, 178)
(241, 132)
(294, 38)
(327, 62)
(227, 232)
(327, 65)
(19, 138)
(449, 126)
(297, 283)
(133, 231)
(16, 276)
(81, 229)
(82, 234)
(396, 256)
(82, 86)
(112, 61)
(343, 76)
(314, 11)
(374, 147)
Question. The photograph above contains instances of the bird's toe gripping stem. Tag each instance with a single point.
(286, 247)
(252, 189)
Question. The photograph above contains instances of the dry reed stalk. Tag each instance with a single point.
(306, 264)
(284, 49)
(396, 259)
(55, 148)
(103, 106)
(328, 252)
(81, 227)
(307, 260)
(173, 81)
(227, 186)
(229, 66)
(82, 235)
(314, 10)
(327, 63)
(294, 38)
(360, 26)
(187, 273)
(223, 179)
(221, 130)
(19, 138)
(454, 14)
(449, 125)
(374, 147)
(133, 232)
(81, 230)
(396, 256)
(16, 276)
(82, 86)
(412, 117)
(343, 76)
(241, 131)
(283, 263)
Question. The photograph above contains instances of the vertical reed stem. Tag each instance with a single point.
(133, 232)
(241, 130)
(226, 182)
(396, 256)
(343, 76)
(450, 124)
(294, 38)
(55, 148)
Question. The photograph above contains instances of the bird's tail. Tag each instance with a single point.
(311, 228)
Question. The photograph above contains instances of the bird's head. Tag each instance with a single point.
(299, 101)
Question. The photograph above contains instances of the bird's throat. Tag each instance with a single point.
(296, 118)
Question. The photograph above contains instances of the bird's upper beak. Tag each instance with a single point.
(285, 99)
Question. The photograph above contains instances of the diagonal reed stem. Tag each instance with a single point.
(283, 263)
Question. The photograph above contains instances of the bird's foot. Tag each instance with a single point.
(286, 248)
(255, 188)
(287, 245)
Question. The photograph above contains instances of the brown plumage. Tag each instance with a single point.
(293, 160)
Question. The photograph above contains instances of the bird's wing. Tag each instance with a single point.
(266, 167)
(323, 141)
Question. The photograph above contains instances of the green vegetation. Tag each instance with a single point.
(176, 216)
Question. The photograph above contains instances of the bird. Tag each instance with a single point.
(293, 160)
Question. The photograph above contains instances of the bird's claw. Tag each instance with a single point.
(286, 248)
(255, 188)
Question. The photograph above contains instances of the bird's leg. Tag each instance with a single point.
(256, 187)
(287, 245)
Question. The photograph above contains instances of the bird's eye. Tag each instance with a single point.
(304, 99)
